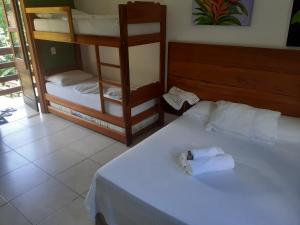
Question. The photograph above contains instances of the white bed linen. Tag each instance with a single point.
(92, 100)
(93, 26)
(146, 186)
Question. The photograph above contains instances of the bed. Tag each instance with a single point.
(138, 25)
(93, 100)
(145, 185)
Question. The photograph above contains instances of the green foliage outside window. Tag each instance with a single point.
(5, 42)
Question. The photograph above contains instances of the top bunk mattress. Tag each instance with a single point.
(96, 25)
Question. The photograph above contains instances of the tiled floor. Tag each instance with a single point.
(46, 166)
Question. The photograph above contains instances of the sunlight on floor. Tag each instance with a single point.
(17, 103)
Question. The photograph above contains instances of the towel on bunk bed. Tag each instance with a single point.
(113, 92)
(93, 88)
(87, 88)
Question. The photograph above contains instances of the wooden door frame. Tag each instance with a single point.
(34, 60)
(22, 63)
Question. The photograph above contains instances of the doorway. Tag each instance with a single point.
(18, 95)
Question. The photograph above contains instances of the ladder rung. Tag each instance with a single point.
(113, 100)
(111, 82)
(110, 65)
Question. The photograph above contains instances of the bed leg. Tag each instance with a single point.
(128, 140)
(161, 120)
(100, 220)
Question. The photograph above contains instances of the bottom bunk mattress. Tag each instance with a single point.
(146, 186)
(92, 100)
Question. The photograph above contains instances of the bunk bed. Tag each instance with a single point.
(139, 109)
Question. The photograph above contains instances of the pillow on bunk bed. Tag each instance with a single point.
(69, 78)
(44, 15)
(78, 12)
(244, 120)
(75, 13)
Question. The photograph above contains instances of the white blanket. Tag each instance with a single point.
(87, 88)
(93, 88)
(145, 186)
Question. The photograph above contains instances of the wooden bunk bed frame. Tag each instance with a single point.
(130, 13)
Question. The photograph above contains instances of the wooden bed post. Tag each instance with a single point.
(125, 77)
(162, 65)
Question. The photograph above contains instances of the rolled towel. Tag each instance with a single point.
(198, 153)
(210, 164)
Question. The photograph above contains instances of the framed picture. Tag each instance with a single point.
(294, 30)
(222, 12)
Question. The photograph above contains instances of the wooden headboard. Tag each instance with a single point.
(266, 78)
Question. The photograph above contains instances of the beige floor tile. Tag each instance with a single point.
(10, 128)
(10, 161)
(80, 176)
(109, 153)
(40, 148)
(43, 200)
(91, 144)
(2, 201)
(73, 214)
(18, 139)
(21, 181)
(10, 216)
(59, 161)
(4, 147)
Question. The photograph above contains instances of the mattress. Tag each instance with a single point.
(98, 25)
(92, 100)
(146, 186)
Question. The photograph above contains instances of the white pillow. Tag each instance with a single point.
(202, 109)
(69, 77)
(44, 15)
(78, 12)
(289, 129)
(239, 119)
(75, 13)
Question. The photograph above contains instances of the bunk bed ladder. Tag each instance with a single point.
(100, 78)
(103, 81)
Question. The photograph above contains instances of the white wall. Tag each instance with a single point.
(269, 28)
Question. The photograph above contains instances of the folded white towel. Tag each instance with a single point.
(198, 153)
(87, 88)
(176, 98)
(210, 164)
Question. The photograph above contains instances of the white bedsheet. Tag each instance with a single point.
(94, 26)
(92, 100)
(145, 185)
